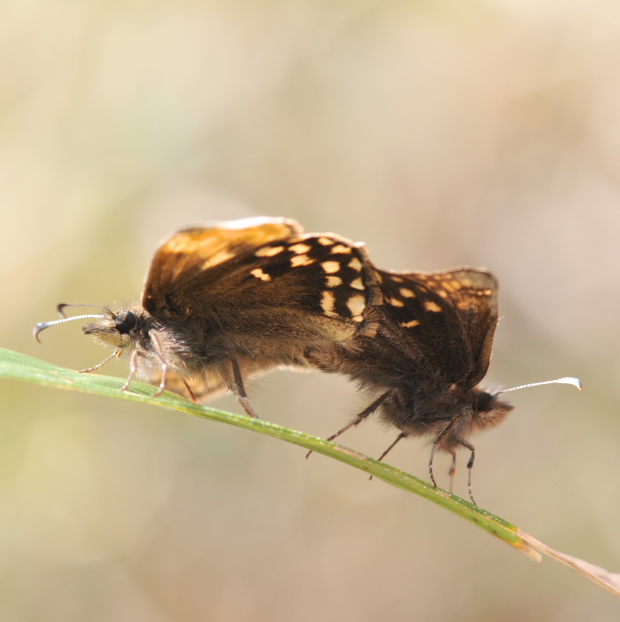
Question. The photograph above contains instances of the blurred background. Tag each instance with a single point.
(441, 133)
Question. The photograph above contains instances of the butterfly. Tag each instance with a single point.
(424, 364)
(234, 299)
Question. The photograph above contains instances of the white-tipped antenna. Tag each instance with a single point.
(568, 380)
(43, 325)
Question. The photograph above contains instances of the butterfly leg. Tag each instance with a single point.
(114, 354)
(365, 413)
(430, 464)
(470, 464)
(235, 384)
(452, 470)
(164, 365)
(133, 368)
(438, 440)
(389, 449)
(191, 393)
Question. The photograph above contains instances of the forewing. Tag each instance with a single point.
(446, 319)
(195, 253)
(267, 266)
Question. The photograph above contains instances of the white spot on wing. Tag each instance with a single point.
(341, 248)
(300, 248)
(430, 305)
(355, 263)
(269, 251)
(356, 304)
(301, 260)
(328, 302)
(331, 266)
(259, 274)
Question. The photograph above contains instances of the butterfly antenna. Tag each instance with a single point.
(568, 380)
(61, 307)
(43, 325)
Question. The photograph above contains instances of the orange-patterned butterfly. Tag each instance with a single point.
(234, 299)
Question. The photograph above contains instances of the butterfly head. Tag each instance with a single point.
(468, 411)
(121, 329)
(488, 409)
(125, 329)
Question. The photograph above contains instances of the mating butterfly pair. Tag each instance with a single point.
(234, 299)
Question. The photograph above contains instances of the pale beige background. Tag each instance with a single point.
(440, 133)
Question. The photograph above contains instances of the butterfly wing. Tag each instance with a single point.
(261, 275)
(446, 320)
(195, 387)
(190, 254)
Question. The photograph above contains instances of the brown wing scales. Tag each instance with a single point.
(447, 318)
(270, 266)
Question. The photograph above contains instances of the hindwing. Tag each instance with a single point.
(447, 319)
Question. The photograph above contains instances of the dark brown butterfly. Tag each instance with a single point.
(234, 299)
(430, 351)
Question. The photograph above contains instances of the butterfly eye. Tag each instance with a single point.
(484, 401)
(125, 322)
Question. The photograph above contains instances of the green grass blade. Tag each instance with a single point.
(16, 366)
